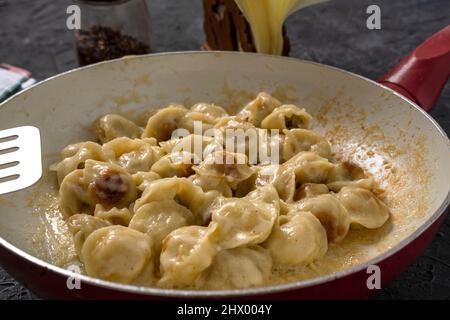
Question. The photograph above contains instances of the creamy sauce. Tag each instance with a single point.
(266, 19)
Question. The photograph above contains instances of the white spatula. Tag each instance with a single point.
(20, 158)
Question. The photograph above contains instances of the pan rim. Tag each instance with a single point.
(173, 293)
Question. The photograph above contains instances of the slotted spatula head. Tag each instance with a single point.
(20, 158)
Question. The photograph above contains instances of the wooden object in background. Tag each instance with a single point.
(227, 29)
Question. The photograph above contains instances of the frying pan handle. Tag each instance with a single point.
(422, 74)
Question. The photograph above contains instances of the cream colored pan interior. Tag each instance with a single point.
(399, 144)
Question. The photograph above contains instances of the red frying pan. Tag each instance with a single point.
(381, 126)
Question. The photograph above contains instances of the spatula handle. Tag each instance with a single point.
(422, 74)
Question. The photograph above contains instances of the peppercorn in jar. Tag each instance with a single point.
(112, 29)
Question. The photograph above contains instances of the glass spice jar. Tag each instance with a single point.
(112, 29)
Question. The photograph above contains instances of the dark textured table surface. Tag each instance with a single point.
(33, 35)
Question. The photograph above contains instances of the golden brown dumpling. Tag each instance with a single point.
(114, 215)
(282, 180)
(133, 154)
(233, 122)
(177, 164)
(308, 167)
(240, 222)
(120, 254)
(181, 190)
(186, 252)
(230, 167)
(191, 119)
(81, 226)
(347, 174)
(310, 190)
(113, 126)
(98, 183)
(143, 179)
(210, 110)
(207, 114)
(164, 122)
(209, 183)
(298, 140)
(237, 268)
(73, 195)
(259, 108)
(297, 239)
(287, 117)
(332, 215)
(75, 155)
(248, 220)
(159, 218)
(193, 143)
(364, 207)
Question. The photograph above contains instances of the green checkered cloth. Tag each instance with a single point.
(10, 83)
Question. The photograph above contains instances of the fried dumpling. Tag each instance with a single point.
(120, 254)
(181, 190)
(287, 117)
(113, 126)
(297, 239)
(74, 157)
(259, 108)
(159, 218)
(248, 220)
(98, 183)
(164, 122)
(298, 140)
(133, 154)
(331, 214)
(364, 207)
(81, 226)
(237, 268)
(186, 252)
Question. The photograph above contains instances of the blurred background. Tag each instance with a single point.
(34, 36)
